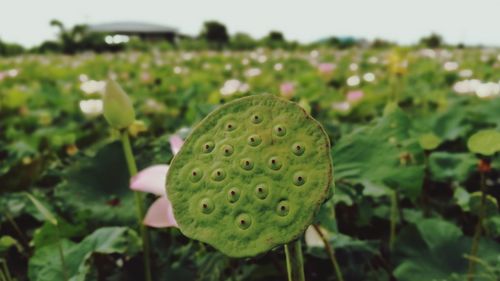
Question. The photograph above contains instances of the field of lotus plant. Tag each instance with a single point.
(314, 164)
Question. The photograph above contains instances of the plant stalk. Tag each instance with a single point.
(477, 231)
(61, 253)
(139, 202)
(294, 261)
(394, 219)
(4, 271)
(331, 253)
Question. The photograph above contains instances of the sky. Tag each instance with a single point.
(402, 21)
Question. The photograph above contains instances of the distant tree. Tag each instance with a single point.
(276, 36)
(243, 41)
(379, 43)
(48, 46)
(77, 39)
(215, 33)
(432, 41)
(10, 49)
(341, 42)
(275, 39)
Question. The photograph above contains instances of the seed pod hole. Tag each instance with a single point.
(274, 163)
(254, 140)
(298, 148)
(208, 147)
(246, 164)
(256, 118)
(279, 130)
(233, 195)
(206, 206)
(261, 191)
(230, 126)
(244, 221)
(218, 175)
(227, 150)
(195, 175)
(283, 208)
(299, 178)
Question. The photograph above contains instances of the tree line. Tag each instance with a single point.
(213, 35)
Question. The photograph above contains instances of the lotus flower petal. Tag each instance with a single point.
(176, 143)
(151, 179)
(160, 214)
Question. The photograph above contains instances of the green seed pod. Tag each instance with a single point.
(251, 176)
(117, 106)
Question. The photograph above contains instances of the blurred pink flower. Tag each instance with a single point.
(355, 96)
(152, 180)
(287, 89)
(326, 68)
(175, 143)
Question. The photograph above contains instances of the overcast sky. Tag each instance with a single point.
(404, 21)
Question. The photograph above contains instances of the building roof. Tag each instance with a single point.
(131, 27)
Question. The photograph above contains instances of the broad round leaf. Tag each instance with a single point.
(485, 142)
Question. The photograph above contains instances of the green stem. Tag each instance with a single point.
(294, 261)
(139, 202)
(61, 253)
(24, 240)
(394, 218)
(4, 271)
(477, 231)
(331, 253)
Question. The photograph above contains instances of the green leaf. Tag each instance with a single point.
(49, 233)
(429, 141)
(6, 242)
(436, 232)
(44, 211)
(485, 142)
(434, 249)
(45, 264)
(462, 198)
(445, 166)
(383, 154)
(491, 204)
(99, 186)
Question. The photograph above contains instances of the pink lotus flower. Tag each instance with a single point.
(355, 96)
(152, 180)
(326, 68)
(287, 90)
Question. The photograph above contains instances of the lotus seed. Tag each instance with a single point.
(233, 195)
(283, 208)
(227, 150)
(196, 175)
(254, 140)
(207, 206)
(230, 126)
(298, 149)
(274, 163)
(218, 175)
(244, 221)
(279, 130)
(299, 179)
(246, 164)
(208, 147)
(261, 191)
(256, 119)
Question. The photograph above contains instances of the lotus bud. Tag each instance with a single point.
(117, 106)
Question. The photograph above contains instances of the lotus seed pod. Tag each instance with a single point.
(117, 106)
(251, 176)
